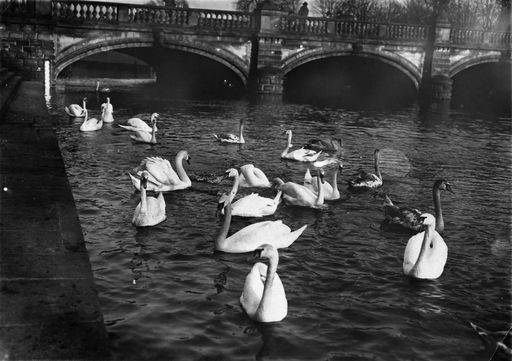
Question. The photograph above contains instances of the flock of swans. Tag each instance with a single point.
(263, 297)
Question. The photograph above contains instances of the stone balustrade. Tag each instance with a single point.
(97, 13)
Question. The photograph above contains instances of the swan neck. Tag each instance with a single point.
(320, 197)
(290, 139)
(376, 164)
(269, 281)
(221, 238)
(425, 245)
(234, 189)
(179, 166)
(436, 194)
(143, 199)
(335, 182)
(241, 133)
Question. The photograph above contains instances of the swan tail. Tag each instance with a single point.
(288, 239)
(135, 181)
(307, 177)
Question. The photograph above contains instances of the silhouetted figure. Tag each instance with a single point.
(304, 11)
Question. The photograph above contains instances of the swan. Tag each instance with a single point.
(301, 155)
(426, 253)
(332, 145)
(255, 235)
(409, 218)
(150, 211)
(75, 110)
(142, 136)
(232, 138)
(136, 124)
(300, 195)
(107, 112)
(90, 125)
(263, 297)
(253, 177)
(252, 205)
(331, 191)
(368, 180)
(325, 162)
(499, 342)
(102, 90)
(162, 177)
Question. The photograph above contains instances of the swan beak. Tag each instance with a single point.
(449, 188)
(220, 205)
(144, 182)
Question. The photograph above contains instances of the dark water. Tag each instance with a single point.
(166, 295)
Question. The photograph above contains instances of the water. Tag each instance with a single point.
(167, 295)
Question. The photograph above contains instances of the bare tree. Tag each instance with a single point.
(286, 5)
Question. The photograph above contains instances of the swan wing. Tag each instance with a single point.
(139, 124)
(154, 214)
(253, 176)
(412, 251)
(251, 237)
(297, 194)
(254, 205)
(161, 169)
(141, 136)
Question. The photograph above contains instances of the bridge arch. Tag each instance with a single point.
(87, 48)
(470, 61)
(396, 61)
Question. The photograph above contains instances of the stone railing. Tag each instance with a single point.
(351, 29)
(84, 11)
(99, 13)
(16, 8)
(480, 38)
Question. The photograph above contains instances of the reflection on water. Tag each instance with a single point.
(166, 294)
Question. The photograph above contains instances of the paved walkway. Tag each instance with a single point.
(48, 304)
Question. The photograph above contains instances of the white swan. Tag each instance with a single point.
(252, 205)
(253, 177)
(426, 253)
(300, 155)
(102, 90)
(263, 297)
(90, 125)
(136, 124)
(232, 138)
(161, 175)
(255, 235)
(107, 112)
(368, 180)
(75, 110)
(150, 210)
(331, 191)
(142, 136)
(300, 195)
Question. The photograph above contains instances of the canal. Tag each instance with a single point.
(166, 294)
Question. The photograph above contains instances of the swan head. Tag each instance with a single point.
(224, 201)
(428, 220)
(443, 185)
(144, 179)
(183, 154)
(277, 183)
(231, 173)
(154, 117)
(267, 251)
(321, 174)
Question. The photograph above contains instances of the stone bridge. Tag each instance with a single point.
(260, 48)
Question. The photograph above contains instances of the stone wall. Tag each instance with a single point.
(24, 48)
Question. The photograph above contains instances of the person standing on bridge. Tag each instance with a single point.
(304, 11)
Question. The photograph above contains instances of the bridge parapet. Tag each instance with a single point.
(480, 39)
